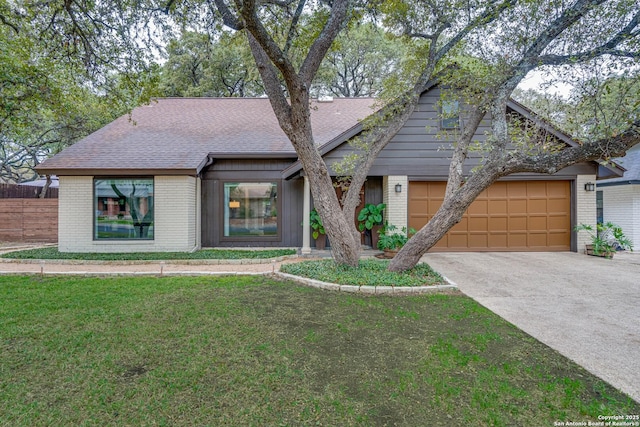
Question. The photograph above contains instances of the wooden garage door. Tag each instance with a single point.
(508, 216)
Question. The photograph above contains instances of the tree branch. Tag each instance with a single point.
(6, 22)
(550, 163)
(490, 14)
(228, 18)
(294, 24)
(271, 83)
(608, 48)
(269, 47)
(321, 45)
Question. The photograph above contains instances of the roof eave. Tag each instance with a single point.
(618, 183)
(253, 155)
(114, 171)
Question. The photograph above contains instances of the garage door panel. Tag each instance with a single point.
(509, 215)
(517, 223)
(556, 189)
(499, 240)
(499, 189)
(517, 240)
(558, 223)
(498, 207)
(537, 206)
(538, 240)
(537, 189)
(498, 223)
(518, 206)
(479, 207)
(478, 241)
(422, 205)
(515, 188)
(558, 239)
(537, 223)
(478, 224)
(557, 205)
(458, 240)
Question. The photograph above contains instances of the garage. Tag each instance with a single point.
(508, 216)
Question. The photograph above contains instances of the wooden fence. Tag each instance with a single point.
(29, 220)
(12, 191)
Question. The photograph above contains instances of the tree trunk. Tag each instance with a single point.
(45, 188)
(345, 244)
(449, 214)
(294, 117)
(445, 218)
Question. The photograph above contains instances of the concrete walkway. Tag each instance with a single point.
(587, 308)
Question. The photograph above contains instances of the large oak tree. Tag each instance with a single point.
(510, 39)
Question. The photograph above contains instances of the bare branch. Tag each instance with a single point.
(271, 83)
(322, 43)
(549, 163)
(559, 25)
(5, 21)
(490, 14)
(608, 48)
(293, 26)
(269, 47)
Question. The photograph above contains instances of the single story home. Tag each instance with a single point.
(618, 199)
(184, 173)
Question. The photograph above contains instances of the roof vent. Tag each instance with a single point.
(325, 98)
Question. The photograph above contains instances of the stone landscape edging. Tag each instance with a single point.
(216, 261)
(373, 290)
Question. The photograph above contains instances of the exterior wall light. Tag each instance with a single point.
(589, 186)
(398, 188)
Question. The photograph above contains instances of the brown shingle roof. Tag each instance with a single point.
(177, 134)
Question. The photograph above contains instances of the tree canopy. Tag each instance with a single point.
(63, 75)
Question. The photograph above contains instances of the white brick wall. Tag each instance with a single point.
(397, 203)
(621, 205)
(75, 213)
(585, 208)
(176, 200)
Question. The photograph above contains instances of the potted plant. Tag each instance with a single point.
(370, 219)
(391, 240)
(606, 239)
(318, 229)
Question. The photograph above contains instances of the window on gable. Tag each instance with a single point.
(250, 209)
(123, 208)
(450, 114)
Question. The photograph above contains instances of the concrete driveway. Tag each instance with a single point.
(585, 307)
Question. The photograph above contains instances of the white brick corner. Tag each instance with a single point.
(397, 203)
(585, 209)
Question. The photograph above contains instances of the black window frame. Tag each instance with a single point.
(254, 237)
(95, 201)
(599, 207)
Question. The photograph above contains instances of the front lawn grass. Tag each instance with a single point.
(243, 350)
(370, 272)
(53, 253)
